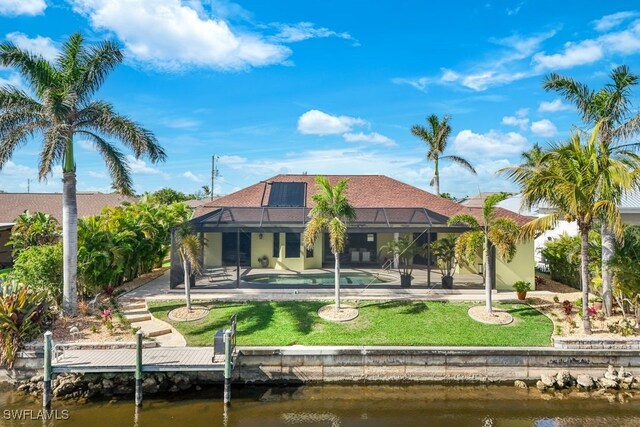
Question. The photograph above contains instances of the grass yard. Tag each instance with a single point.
(379, 323)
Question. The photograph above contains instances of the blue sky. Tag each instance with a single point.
(328, 87)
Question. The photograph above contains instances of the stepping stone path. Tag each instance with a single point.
(136, 311)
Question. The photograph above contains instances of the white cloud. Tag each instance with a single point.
(40, 45)
(495, 72)
(373, 137)
(94, 174)
(291, 33)
(181, 123)
(315, 122)
(544, 128)
(86, 145)
(608, 22)
(193, 177)
(11, 168)
(488, 145)
(22, 7)
(13, 79)
(175, 36)
(231, 160)
(522, 112)
(140, 167)
(552, 106)
(522, 123)
(584, 52)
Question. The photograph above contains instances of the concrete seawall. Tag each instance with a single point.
(306, 364)
(422, 364)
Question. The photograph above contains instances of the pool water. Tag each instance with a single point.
(361, 279)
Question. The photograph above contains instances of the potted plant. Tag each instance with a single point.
(405, 250)
(522, 288)
(264, 261)
(444, 251)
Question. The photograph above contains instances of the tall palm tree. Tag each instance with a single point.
(331, 213)
(578, 180)
(435, 136)
(611, 107)
(488, 234)
(189, 247)
(61, 108)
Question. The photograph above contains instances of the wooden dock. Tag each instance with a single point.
(159, 359)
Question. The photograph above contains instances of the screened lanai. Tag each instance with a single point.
(270, 237)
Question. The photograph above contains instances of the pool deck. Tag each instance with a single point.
(226, 289)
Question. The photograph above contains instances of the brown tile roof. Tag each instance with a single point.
(501, 213)
(363, 191)
(13, 204)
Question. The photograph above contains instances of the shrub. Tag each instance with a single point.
(567, 306)
(623, 327)
(23, 315)
(522, 286)
(40, 269)
(563, 256)
(33, 229)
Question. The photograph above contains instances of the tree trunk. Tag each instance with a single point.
(436, 178)
(584, 255)
(69, 243)
(488, 276)
(608, 247)
(187, 283)
(337, 279)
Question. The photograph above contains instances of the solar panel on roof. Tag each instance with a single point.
(287, 194)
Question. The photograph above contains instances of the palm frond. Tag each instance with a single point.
(102, 59)
(37, 70)
(465, 219)
(533, 228)
(337, 235)
(100, 117)
(460, 162)
(116, 163)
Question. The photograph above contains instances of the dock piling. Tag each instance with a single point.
(46, 394)
(138, 368)
(227, 367)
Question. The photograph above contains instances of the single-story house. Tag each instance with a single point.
(13, 205)
(262, 225)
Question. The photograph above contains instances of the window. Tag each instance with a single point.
(309, 253)
(276, 245)
(292, 245)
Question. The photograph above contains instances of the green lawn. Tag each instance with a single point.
(379, 323)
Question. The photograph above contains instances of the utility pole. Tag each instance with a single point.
(214, 173)
(28, 185)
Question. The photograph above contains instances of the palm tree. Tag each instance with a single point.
(578, 180)
(189, 247)
(61, 109)
(436, 138)
(331, 213)
(611, 107)
(488, 234)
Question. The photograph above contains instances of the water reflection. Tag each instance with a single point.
(332, 405)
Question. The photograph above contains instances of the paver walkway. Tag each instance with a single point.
(135, 310)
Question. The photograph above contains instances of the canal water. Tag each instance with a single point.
(336, 406)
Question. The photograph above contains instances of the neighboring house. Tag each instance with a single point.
(14, 204)
(630, 208)
(267, 219)
(514, 204)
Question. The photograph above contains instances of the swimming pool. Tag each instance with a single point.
(317, 279)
